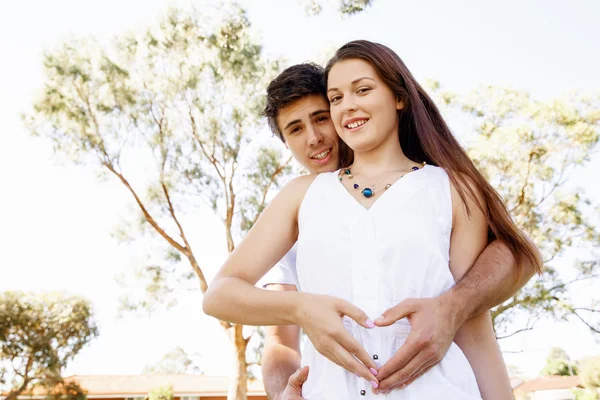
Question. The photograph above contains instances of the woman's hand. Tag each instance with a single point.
(320, 317)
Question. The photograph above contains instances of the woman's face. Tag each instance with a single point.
(364, 110)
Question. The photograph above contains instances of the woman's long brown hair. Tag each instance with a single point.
(424, 136)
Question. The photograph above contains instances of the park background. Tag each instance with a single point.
(60, 219)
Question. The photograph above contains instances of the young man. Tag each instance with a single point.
(298, 113)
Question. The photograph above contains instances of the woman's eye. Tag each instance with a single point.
(363, 90)
(333, 99)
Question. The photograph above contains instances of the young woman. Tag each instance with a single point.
(406, 216)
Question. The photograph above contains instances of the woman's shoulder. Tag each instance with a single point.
(435, 171)
(303, 182)
(295, 189)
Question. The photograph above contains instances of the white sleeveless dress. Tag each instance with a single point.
(375, 258)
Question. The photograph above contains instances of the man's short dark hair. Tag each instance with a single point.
(292, 84)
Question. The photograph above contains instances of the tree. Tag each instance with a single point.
(590, 373)
(514, 371)
(345, 7)
(40, 333)
(66, 391)
(528, 149)
(558, 362)
(162, 393)
(177, 361)
(590, 379)
(186, 95)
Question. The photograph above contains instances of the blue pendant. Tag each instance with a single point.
(415, 168)
(367, 192)
(356, 186)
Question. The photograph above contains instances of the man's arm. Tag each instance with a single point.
(492, 280)
(281, 354)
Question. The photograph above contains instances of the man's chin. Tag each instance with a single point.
(317, 168)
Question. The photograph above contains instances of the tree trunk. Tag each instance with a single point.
(239, 389)
(14, 394)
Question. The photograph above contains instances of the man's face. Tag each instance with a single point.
(309, 133)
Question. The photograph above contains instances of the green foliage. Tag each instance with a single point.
(176, 361)
(254, 352)
(558, 362)
(40, 333)
(590, 372)
(514, 371)
(162, 393)
(527, 149)
(67, 391)
(560, 367)
(586, 394)
(344, 7)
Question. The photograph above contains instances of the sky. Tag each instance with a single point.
(58, 218)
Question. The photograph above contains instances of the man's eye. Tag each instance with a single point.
(322, 119)
(294, 131)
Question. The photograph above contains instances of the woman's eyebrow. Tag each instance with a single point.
(353, 82)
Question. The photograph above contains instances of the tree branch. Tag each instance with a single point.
(515, 332)
(522, 193)
(587, 309)
(584, 321)
(266, 189)
(147, 215)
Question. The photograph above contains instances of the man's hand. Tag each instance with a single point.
(320, 317)
(293, 390)
(434, 323)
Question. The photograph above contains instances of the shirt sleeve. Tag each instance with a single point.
(283, 273)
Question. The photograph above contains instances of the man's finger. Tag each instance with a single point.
(401, 310)
(411, 380)
(403, 375)
(353, 347)
(403, 356)
(420, 373)
(361, 318)
(298, 378)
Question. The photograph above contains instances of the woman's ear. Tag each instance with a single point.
(399, 104)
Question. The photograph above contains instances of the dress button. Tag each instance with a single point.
(362, 392)
(375, 357)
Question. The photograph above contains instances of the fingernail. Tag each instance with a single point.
(370, 323)
(374, 384)
(373, 371)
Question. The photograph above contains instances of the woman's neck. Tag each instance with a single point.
(386, 157)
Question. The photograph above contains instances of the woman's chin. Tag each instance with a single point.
(361, 146)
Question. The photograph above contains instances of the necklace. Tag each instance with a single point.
(369, 191)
